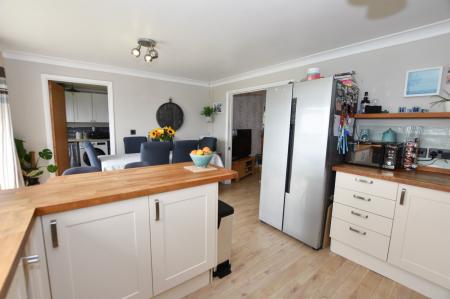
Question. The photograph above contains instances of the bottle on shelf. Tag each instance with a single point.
(365, 102)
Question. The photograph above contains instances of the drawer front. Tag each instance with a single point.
(360, 238)
(362, 218)
(366, 202)
(367, 185)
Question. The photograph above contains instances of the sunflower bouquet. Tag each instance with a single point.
(162, 134)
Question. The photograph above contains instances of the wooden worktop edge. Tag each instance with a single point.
(397, 176)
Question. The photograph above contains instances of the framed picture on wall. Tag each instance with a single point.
(423, 82)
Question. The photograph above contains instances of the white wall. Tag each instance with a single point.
(381, 72)
(135, 102)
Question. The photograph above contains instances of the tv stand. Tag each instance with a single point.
(244, 167)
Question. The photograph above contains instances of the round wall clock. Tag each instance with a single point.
(170, 114)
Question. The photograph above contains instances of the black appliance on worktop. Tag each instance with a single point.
(375, 154)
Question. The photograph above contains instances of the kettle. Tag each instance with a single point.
(389, 136)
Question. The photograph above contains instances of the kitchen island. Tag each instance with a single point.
(142, 202)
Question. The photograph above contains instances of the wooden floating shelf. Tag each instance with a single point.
(405, 115)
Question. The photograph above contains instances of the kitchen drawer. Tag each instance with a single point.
(362, 218)
(367, 202)
(367, 185)
(360, 238)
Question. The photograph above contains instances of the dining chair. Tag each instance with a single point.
(92, 155)
(210, 142)
(79, 170)
(182, 149)
(133, 144)
(152, 153)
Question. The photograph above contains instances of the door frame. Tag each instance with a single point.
(45, 78)
(229, 114)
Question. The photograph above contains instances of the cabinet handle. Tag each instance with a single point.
(364, 181)
(360, 215)
(32, 259)
(402, 197)
(361, 197)
(157, 209)
(357, 231)
(54, 233)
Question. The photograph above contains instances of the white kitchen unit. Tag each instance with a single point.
(100, 252)
(184, 235)
(30, 280)
(86, 107)
(420, 236)
(100, 107)
(70, 107)
(18, 287)
(399, 231)
(83, 107)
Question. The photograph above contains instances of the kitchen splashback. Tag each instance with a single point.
(71, 131)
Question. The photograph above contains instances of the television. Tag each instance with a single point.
(242, 143)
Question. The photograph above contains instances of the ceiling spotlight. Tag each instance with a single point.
(150, 44)
(136, 51)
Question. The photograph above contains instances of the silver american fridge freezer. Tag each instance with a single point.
(299, 151)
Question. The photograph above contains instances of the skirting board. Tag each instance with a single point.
(408, 279)
(187, 288)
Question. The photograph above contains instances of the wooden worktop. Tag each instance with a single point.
(435, 181)
(19, 207)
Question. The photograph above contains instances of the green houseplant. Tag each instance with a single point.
(208, 113)
(443, 100)
(31, 170)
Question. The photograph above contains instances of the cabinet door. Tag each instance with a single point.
(83, 107)
(184, 235)
(36, 273)
(18, 288)
(100, 107)
(420, 240)
(100, 252)
(70, 108)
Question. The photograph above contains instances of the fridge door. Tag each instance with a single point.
(305, 200)
(275, 152)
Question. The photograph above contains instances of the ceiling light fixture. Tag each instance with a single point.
(150, 44)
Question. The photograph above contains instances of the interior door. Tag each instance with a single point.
(100, 107)
(183, 234)
(59, 128)
(276, 144)
(305, 200)
(420, 239)
(100, 252)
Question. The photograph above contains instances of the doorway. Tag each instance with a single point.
(77, 110)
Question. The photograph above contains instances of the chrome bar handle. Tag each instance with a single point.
(357, 231)
(54, 233)
(402, 197)
(32, 259)
(360, 215)
(157, 209)
(361, 197)
(364, 181)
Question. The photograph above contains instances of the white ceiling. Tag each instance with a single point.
(204, 39)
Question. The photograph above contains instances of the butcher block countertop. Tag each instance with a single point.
(435, 181)
(19, 207)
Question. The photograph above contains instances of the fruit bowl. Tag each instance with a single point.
(201, 160)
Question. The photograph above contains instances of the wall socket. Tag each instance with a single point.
(439, 153)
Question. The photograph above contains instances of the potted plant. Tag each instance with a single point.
(162, 134)
(31, 170)
(443, 100)
(208, 113)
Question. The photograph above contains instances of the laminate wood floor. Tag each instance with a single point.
(268, 264)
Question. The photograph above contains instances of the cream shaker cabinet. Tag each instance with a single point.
(30, 279)
(83, 107)
(100, 107)
(420, 241)
(100, 252)
(70, 107)
(183, 231)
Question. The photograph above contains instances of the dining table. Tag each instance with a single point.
(115, 162)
